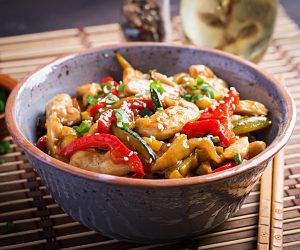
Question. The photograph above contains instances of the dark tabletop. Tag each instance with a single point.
(31, 16)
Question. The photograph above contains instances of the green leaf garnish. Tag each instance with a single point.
(4, 147)
(122, 118)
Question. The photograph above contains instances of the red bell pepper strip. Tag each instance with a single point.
(215, 127)
(93, 110)
(131, 107)
(226, 134)
(226, 107)
(42, 143)
(200, 128)
(106, 119)
(119, 153)
(224, 167)
(107, 79)
(113, 87)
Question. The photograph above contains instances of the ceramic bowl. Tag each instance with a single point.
(147, 211)
(7, 83)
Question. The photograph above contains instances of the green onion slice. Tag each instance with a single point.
(238, 159)
(121, 88)
(187, 97)
(122, 118)
(156, 84)
(200, 81)
(111, 99)
(91, 100)
(196, 97)
(209, 92)
(83, 128)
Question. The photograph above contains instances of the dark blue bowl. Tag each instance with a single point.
(147, 211)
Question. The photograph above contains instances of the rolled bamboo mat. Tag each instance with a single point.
(30, 218)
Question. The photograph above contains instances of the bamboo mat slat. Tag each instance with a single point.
(39, 223)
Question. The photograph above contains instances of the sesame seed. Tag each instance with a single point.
(127, 138)
(131, 153)
(126, 158)
(160, 127)
(185, 144)
(221, 102)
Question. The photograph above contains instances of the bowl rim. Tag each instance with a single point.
(277, 144)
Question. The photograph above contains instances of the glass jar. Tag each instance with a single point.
(241, 27)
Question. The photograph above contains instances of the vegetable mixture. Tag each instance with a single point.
(152, 126)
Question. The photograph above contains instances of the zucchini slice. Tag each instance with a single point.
(135, 142)
(156, 100)
(250, 124)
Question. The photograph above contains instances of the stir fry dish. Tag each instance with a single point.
(152, 126)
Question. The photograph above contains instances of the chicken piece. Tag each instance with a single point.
(250, 108)
(241, 146)
(178, 150)
(163, 79)
(89, 89)
(58, 135)
(165, 124)
(200, 71)
(256, 148)
(62, 107)
(98, 163)
(54, 133)
(169, 102)
(141, 86)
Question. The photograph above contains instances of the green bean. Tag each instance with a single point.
(250, 124)
(183, 169)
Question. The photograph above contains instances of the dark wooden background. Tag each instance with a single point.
(31, 16)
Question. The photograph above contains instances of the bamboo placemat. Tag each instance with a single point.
(30, 218)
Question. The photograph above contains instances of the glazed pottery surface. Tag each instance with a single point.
(147, 211)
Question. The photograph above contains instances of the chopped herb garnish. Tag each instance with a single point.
(214, 139)
(91, 100)
(4, 147)
(196, 97)
(156, 84)
(121, 88)
(200, 81)
(83, 128)
(193, 87)
(209, 92)
(122, 118)
(107, 87)
(146, 112)
(111, 99)
(238, 159)
(187, 97)
(160, 109)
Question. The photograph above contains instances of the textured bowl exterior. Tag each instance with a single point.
(148, 215)
(147, 211)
